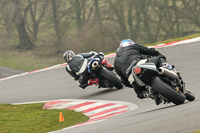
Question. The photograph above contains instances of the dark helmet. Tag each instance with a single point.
(68, 54)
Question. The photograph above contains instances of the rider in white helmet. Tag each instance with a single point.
(77, 65)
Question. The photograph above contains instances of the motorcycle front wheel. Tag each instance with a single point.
(167, 92)
(111, 77)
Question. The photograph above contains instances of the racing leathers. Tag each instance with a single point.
(127, 57)
(77, 67)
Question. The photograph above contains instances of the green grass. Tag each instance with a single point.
(28, 60)
(31, 118)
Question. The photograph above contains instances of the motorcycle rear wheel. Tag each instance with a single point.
(111, 77)
(167, 92)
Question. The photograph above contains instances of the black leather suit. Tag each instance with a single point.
(127, 57)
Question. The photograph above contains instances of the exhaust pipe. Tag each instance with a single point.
(95, 64)
(168, 73)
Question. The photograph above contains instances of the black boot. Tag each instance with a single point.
(157, 99)
(143, 94)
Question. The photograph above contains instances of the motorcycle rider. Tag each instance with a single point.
(77, 66)
(130, 54)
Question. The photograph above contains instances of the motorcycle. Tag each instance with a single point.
(102, 77)
(164, 83)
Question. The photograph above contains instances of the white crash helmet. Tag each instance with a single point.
(126, 42)
(68, 54)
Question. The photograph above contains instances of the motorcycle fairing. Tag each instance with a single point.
(147, 70)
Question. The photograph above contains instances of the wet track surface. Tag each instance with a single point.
(148, 117)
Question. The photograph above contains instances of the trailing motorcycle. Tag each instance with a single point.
(102, 77)
(164, 83)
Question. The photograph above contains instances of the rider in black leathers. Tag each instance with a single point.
(77, 65)
(127, 56)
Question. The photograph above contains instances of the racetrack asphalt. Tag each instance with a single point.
(57, 84)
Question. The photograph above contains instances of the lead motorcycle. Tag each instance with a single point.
(163, 82)
(102, 77)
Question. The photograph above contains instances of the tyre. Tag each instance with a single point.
(167, 92)
(111, 77)
(190, 96)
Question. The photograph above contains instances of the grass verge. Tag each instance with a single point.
(31, 118)
(27, 60)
